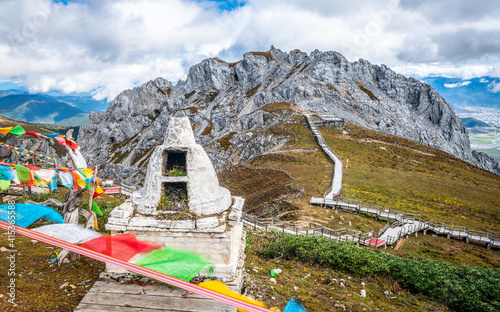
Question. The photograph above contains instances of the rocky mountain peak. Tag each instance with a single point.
(224, 102)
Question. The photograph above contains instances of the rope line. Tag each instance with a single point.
(133, 267)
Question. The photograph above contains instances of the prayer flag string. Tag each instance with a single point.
(134, 268)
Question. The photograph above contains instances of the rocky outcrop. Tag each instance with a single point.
(47, 147)
(486, 162)
(226, 102)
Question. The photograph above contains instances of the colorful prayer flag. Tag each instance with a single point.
(5, 130)
(26, 214)
(66, 179)
(294, 306)
(17, 130)
(69, 232)
(60, 140)
(72, 144)
(181, 264)
(121, 246)
(24, 175)
(222, 288)
(6, 173)
(96, 208)
(4, 185)
(32, 133)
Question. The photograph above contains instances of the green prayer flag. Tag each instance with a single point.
(23, 174)
(82, 172)
(96, 208)
(181, 264)
(37, 178)
(4, 185)
(18, 130)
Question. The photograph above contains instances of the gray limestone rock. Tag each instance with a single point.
(224, 103)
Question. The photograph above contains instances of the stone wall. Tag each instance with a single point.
(221, 238)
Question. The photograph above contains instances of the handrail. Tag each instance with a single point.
(407, 222)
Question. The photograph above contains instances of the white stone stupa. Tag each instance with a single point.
(181, 175)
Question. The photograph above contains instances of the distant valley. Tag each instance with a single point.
(477, 102)
(66, 110)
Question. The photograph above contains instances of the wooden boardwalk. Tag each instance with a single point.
(403, 224)
(106, 296)
(407, 224)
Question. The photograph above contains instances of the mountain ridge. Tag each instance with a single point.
(225, 103)
(44, 108)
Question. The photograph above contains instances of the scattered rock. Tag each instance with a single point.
(64, 285)
(342, 284)
(3, 249)
(363, 284)
(72, 286)
(388, 292)
(295, 288)
(273, 298)
(363, 293)
(340, 305)
(83, 282)
(383, 148)
(272, 280)
(33, 241)
(277, 271)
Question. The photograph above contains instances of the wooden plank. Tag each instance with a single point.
(134, 289)
(400, 244)
(83, 307)
(154, 302)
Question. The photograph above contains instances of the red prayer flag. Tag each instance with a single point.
(32, 167)
(32, 133)
(97, 193)
(72, 144)
(76, 187)
(121, 246)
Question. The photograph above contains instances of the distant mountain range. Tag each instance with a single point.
(470, 122)
(67, 110)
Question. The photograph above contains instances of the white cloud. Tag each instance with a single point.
(108, 46)
(466, 71)
(484, 80)
(457, 85)
(494, 86)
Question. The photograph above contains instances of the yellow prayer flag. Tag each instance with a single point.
(80, 181)
(88, 172)
(221, 288)
(98, 189)
(5, 130)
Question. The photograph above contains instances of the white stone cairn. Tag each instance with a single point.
(214, 228)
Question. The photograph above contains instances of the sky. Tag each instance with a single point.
(106, 46)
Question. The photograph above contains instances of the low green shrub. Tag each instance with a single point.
(464, 288)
